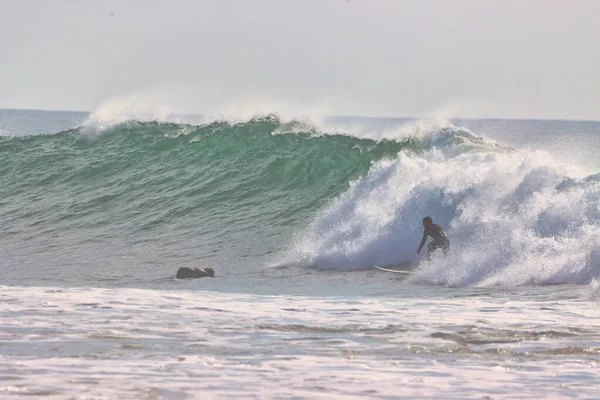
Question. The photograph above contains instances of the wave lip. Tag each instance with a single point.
(115, 113)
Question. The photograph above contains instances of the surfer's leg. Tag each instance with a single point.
(431, 247)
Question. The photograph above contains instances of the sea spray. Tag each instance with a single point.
(514, 217)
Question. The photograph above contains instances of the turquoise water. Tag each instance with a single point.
(97, 215)
(198, 195)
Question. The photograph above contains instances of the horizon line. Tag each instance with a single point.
(342, 116)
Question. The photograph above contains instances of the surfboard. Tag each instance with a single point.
(393, 270)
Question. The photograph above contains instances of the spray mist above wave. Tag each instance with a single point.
(115, 113)
(513, 217)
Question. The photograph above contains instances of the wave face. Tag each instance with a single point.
(283, 193)
(220, 188)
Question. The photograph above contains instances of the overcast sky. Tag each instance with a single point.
(470, 58)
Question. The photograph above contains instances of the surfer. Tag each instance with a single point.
(440, 239)
(191, 273)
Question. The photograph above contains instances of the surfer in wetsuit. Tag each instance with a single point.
(440, 239)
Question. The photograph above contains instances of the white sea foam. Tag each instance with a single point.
(132, 343)
(513, 217)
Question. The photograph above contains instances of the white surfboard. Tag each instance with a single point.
(393, 270)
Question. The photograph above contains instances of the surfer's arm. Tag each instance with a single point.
(422, 242)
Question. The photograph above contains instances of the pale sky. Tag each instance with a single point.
(463, 58)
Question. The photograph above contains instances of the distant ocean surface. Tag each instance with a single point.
(98, 211)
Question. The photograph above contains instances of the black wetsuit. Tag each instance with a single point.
(192, 273)
(440, 239)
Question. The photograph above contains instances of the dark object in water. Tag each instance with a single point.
(192, 273)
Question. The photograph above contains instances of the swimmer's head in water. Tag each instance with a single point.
(427, 221)
(210, 272)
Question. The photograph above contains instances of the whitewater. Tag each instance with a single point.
(99, 210)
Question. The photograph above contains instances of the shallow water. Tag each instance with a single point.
(460, 343)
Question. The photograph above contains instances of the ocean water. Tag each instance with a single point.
(99, 210)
